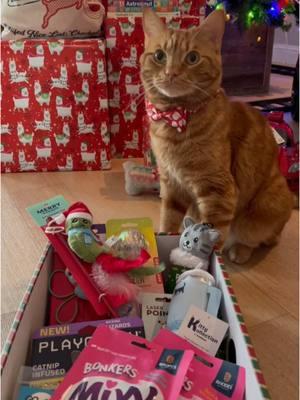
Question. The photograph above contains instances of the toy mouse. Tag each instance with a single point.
(195, 246)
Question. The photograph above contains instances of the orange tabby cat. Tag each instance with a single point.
(221, 168)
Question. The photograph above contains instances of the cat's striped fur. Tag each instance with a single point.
(223, 169)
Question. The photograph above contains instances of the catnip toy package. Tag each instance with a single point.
(30, 387)
(116, 365)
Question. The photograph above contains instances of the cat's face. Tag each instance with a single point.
(179, 63)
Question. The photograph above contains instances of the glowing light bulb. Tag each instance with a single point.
(258, 39)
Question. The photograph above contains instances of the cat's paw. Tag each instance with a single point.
(239, 253)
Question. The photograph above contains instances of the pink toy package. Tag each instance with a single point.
(208, 378)
(118, 366)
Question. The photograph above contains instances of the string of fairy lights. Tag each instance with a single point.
(250, 12)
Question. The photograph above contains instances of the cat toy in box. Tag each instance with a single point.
(193, 285)
(140, 179)
(195, 246)
(114, 262)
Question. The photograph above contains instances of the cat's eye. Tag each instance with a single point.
(160, 56)
(74, 220)
(196, 240)
(192, 58)
(85, 221)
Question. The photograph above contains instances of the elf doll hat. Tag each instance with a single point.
(76, 210)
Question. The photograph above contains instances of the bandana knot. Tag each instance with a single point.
(177, 117)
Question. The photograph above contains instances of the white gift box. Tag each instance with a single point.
(32, 310)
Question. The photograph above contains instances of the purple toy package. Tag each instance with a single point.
(56, 347)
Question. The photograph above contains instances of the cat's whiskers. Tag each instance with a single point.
(139, 98)
(181, 81)
(195, 86)
(141, 101)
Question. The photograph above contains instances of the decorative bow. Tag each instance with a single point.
(177, 117)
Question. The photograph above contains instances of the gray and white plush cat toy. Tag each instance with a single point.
(195, 246)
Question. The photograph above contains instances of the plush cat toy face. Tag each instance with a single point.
(78, 223)
(198, 239)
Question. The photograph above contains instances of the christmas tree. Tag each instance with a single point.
(249, 12)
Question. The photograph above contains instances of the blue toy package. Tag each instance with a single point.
(30, 388)
(27, 392)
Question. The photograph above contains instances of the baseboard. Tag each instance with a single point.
(285, 55)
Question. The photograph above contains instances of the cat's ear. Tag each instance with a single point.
(188, 221)
(152, 24)
(214, 27)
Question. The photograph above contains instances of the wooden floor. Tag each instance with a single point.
(267, 287)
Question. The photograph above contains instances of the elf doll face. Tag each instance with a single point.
(78, 223)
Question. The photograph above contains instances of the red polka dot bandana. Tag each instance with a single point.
(176, 117)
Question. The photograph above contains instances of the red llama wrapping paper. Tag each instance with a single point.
(125, 44)
(54, 106)
(173, 7)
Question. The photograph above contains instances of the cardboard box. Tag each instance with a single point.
(32, 311)
(54, 105)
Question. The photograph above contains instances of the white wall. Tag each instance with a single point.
(286, 46)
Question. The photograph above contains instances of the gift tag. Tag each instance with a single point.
(203, 330)
(279, 139)
(42, 212)
(154, 312)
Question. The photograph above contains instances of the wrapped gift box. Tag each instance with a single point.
(182, 7)
(54, 105)
(125, 44)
